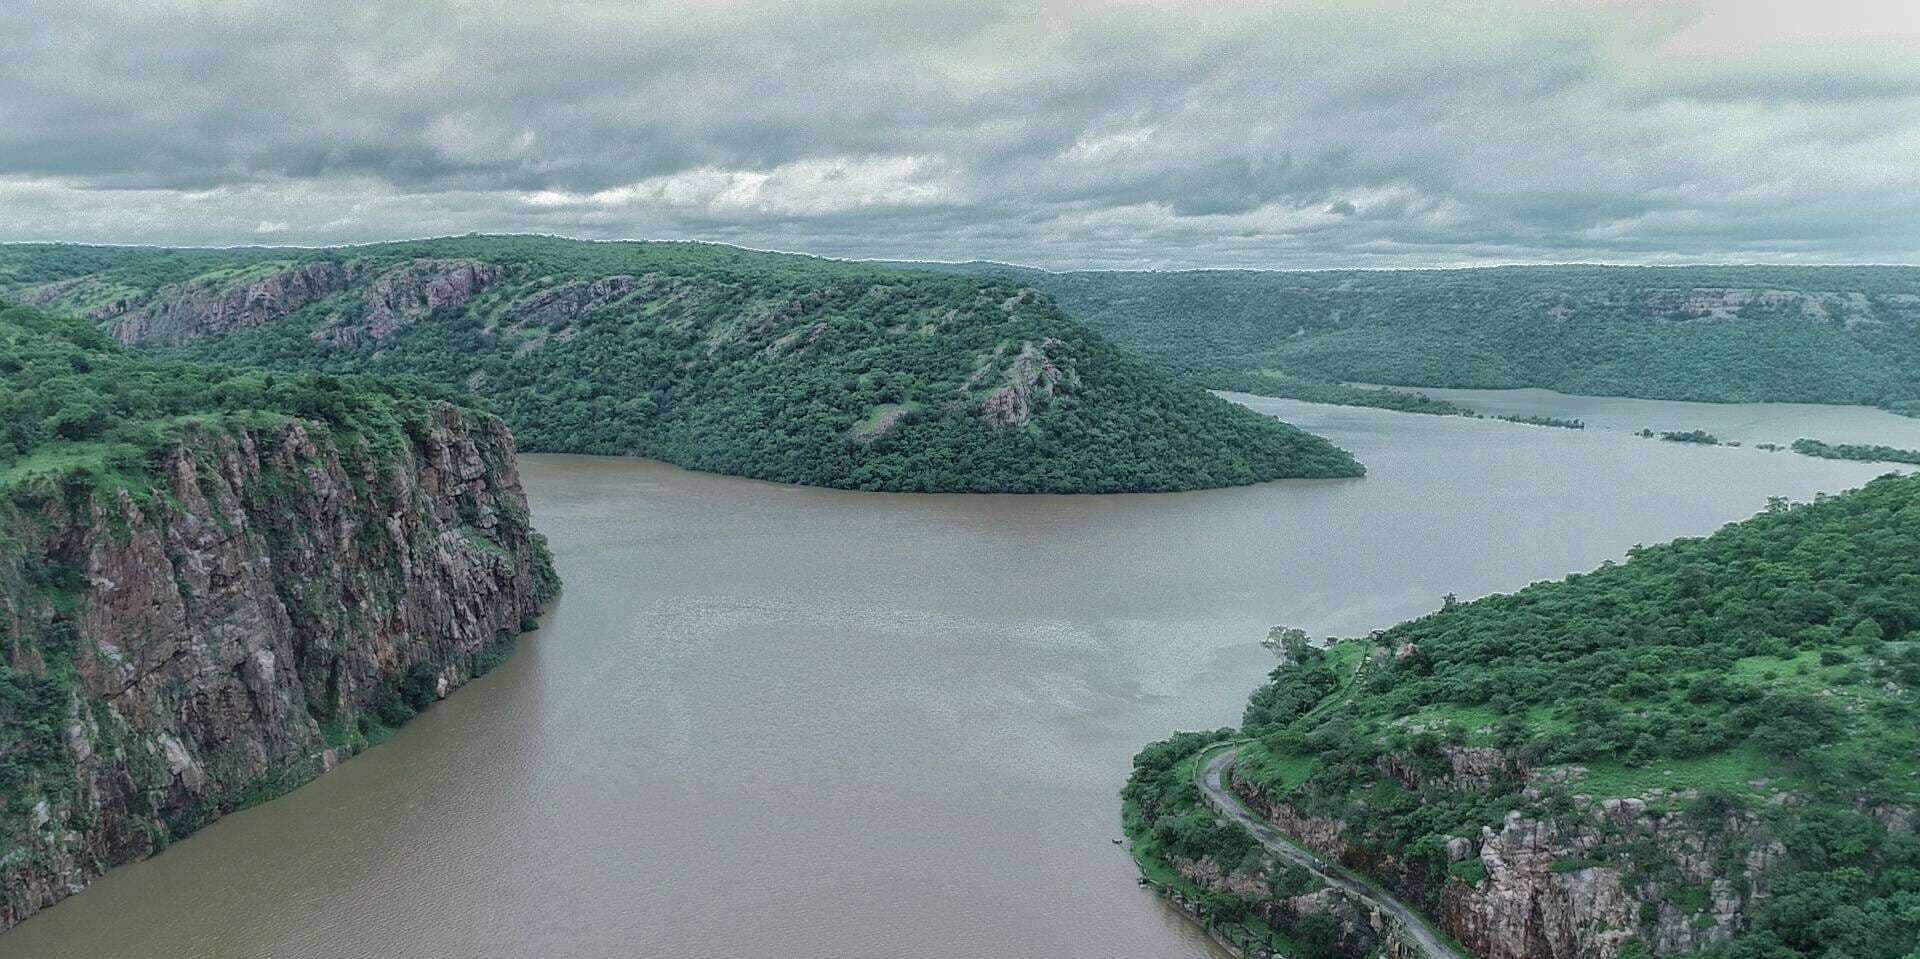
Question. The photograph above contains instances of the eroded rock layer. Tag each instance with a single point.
(274, 602)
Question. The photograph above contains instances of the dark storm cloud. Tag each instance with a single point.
(1067, 133)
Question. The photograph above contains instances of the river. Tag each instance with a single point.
(779, 721)
(1750, 423)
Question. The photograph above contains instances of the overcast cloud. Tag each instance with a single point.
(1126, 134)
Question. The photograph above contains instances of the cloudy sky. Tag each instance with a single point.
(1107, 134)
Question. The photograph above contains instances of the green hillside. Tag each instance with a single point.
(774, 366)
(1756, 689)
(1716, 334)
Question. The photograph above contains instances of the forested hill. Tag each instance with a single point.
(1712, 748)
(775, 366)
(1718, 334)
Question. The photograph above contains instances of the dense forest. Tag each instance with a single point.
(1756, 689)
(77, 408)
(1717, 334)
(774, 366)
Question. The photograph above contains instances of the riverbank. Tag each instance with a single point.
(998, 671)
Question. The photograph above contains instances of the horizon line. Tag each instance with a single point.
(909, 261)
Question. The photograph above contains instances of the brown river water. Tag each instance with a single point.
(778, 721)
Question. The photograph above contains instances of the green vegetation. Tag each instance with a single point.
(84, 421)
(1780, 656)
(1690, 437)
(75, 408)
(1546, 421)
(1168, 822)
(774, 366)
(1719, 334)
(1851, 451)
(1277, 383)
(1473, 872)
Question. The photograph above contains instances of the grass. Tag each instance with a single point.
(1732, 769)
(1346, 656)
(1803, 668)
(1478, 722)
(877, 415)
(1275, 772)
(1473, 872)
(1574, 865)
(58, 459)
(55, 459)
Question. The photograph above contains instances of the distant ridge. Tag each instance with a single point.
(1812, 334)
(777, 366)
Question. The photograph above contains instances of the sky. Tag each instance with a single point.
(1060, 134)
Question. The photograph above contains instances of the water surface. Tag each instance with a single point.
(1778, 423)
(778, 721)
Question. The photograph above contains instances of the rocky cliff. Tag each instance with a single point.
(1348, 925)
(392, 295)
(220, 304)
(274, 600)
(1582, 882)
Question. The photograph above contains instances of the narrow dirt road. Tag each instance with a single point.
(1213, 787)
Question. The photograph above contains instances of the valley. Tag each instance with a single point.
(997, 659)
(1721, 334)
(870, 480)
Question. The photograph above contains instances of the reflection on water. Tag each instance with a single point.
(769, 720)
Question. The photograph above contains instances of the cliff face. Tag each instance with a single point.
(394, 296)
(272, 604)
(1355, 927)
(1567, 886)
(1532, 905)
(204, 307)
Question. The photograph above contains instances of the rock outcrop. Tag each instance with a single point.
(1566, 886)
(243, 626)
(403, 294)
(1028, 378)
(180, 312)
(392, 298)
(1700, 303)
(559, 306)
(1359, 927)
(1558, 888)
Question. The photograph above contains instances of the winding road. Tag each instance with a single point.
(1213, 787)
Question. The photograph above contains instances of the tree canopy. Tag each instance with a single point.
(774, 366)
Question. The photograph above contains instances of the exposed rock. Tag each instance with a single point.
(867, 433)
(205, 307)
(1036, 373)
(1468, 767)
(405, 293)
(276, 587)
(72, 293)
(1362, 928)
(558, 306)
(1853, 309)
(796, 340)
(1564, 888)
